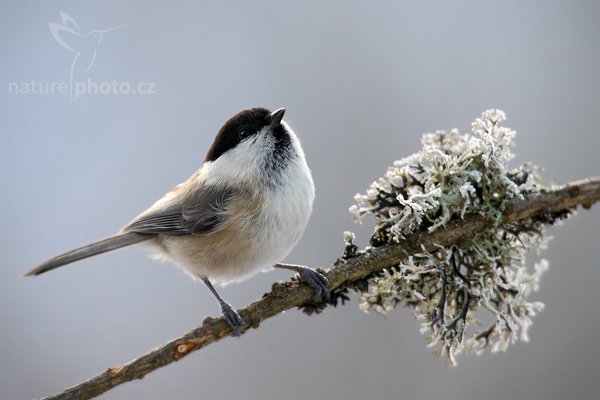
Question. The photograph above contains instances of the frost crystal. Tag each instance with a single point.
(452, 176)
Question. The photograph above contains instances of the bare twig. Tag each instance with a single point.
(287, 295)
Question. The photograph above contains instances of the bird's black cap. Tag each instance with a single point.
(242, 125)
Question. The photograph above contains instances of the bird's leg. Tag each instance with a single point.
(233, 319)
(315, 280)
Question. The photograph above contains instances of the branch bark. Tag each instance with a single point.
(287, 295)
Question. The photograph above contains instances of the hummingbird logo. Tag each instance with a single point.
(84, 46)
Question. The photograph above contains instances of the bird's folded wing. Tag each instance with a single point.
(196, 212)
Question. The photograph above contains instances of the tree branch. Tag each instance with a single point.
(291, 294)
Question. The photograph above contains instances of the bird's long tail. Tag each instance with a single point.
(89, 250)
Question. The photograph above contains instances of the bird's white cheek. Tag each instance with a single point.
(240, 162)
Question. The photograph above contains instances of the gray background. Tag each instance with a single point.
(361, 82)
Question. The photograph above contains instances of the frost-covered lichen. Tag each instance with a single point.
(452, 288)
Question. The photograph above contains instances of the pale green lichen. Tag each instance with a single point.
(452, 176)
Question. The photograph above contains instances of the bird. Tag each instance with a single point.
(241, 212)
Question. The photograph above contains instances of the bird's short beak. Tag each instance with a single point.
(276, 117)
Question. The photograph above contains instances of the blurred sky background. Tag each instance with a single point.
(361, 82)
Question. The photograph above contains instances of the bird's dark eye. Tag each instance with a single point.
(244, 134)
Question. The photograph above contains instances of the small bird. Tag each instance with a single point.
(242, 212)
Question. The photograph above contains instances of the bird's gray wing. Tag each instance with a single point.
(194, 212)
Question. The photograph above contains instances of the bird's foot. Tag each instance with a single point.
(314, 279)
(317, 281)
(233, 319)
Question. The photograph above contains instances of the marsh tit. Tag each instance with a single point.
(242, 212)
